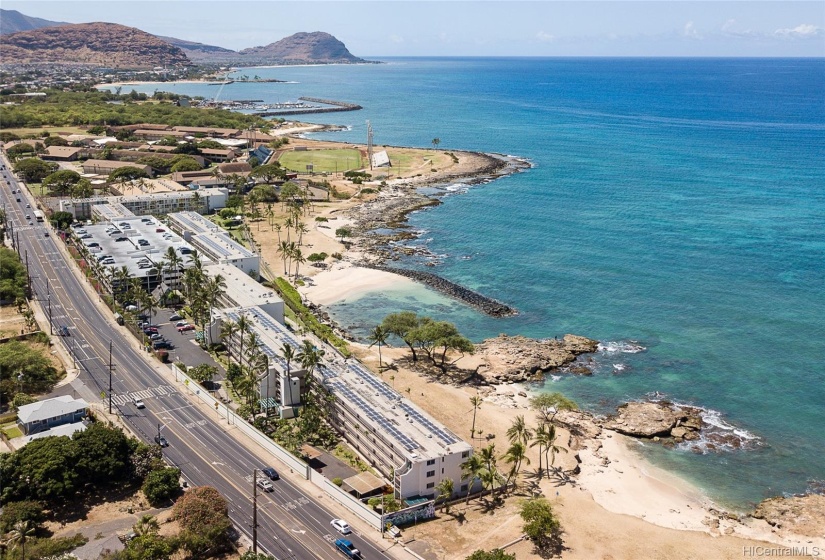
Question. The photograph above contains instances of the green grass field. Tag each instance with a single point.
(51, 129)
(323, 161)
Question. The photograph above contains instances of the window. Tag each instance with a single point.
(431, 485)
(465, 454)
(431, 462)
(463, 487)
(430, 474)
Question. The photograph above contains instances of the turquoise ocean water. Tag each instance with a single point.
(675, 210)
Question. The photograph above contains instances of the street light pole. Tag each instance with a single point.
(51, 325)
(110, 381)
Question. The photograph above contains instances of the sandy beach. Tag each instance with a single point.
(619, 505)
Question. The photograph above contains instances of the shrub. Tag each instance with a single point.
(26, 510)
(338, 481)
(317, 257)
(321, 219)
(163, 356)
(161, 485)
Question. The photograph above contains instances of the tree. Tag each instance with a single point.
(34, 170)
(436, 142)
(378, 336)
(249, 555)
(61, 182)
(128, 173)
(495, 554)
(106, 454)
(343, 233)
(476, 402)
(290, 192)
(82, 189)
(203, 373)
(145, 459)
(55, 141)
(437, 338)
(25, 510)
(268, 172)
(541, 526)
(20, 535)
(551, 447)
(550, 404)
(515, 455)
(519, 432)
(402, 324)
(161, 485)
(203, 516)
(445, 492)
(186, 164)
(24, 148)
(62, 220)
(471, 471)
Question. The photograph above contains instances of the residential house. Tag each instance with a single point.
(46, 414)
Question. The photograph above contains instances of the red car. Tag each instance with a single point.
(185, 328)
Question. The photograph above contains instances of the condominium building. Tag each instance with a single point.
(245, 292)
(214, 242)
(161, 203)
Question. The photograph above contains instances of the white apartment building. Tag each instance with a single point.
(243, 291)
(214, 242)
(158, 204)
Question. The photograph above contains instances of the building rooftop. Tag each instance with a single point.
(50, 408)
(214, 239)
(241, 288)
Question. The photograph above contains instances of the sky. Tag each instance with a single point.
(373, 29)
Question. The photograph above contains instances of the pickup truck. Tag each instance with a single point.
(348, 548)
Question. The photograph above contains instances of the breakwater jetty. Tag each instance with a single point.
(487, 305)
(333, 107)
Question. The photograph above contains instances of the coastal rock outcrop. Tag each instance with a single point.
(513, 359)
(802, 515)
(656, 419)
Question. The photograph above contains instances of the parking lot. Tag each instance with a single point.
(185, 347)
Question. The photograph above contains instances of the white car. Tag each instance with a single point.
(341, 526)
(265, 485)
(139, 403)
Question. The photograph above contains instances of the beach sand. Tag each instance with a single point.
(619, 507)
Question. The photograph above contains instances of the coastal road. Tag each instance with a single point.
(291, 522)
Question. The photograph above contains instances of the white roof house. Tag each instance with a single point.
(43, 415)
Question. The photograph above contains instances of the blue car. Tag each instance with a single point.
(347, 548)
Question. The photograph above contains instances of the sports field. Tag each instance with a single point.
(329, 161)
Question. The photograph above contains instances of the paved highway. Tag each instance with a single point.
(291, 524)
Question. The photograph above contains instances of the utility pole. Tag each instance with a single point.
(110, 382)
(255, 512)
(51, 325)
(28, 276)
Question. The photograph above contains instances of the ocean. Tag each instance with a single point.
(674, 210)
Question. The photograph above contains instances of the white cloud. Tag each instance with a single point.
(802, 31)
(396, 38)
(690, 31)
(543, 37)
(729, 25)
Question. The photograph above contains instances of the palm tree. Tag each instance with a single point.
(541, 439)
(445, 492)
(299, 259)
(378, 336)
(309, 356)
(489, 476)
(147, 525)
(551, 447)
(519, 431)
(301, 228)
(436, 142)
(515, 455)
(278, 228)
(213, 288)
(20, 534)
(228, 330)
(476, 402)
(285, 250)
(171, 264)
(471, 471)
(244, 327)
(288, 354)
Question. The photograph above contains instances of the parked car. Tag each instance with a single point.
(186, 328)
(271, 473)
(175, 317)
(341, 526)
(46, 234)
(181, 324)
(131, 308)
(121, 239)
(265, 485)
(347, 548)
(139, 403)
(155, 336)
(160, 440)
(158, 344)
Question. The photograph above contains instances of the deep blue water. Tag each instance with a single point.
(677, 203)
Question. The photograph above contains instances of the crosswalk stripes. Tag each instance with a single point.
(145, 394)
